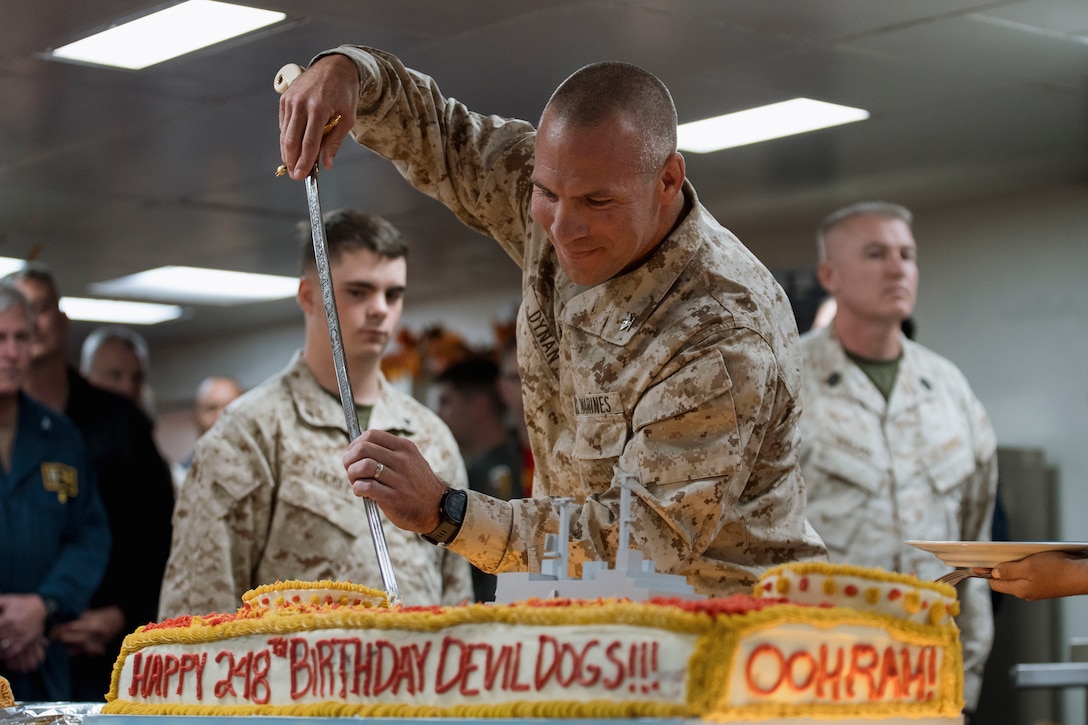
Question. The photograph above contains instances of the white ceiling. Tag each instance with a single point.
(107, 172)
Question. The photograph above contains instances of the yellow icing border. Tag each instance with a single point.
(863, 572)
(294, 584)
(709, 670)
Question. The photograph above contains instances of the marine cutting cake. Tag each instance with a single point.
(812, 642)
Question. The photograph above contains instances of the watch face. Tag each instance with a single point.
(456, 503)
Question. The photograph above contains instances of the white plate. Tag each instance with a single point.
(991, 553)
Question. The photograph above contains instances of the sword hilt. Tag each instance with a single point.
(284, 78)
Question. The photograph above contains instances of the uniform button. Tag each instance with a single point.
(925, 384)
(834, 379)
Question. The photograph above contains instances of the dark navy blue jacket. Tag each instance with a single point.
(54, 536)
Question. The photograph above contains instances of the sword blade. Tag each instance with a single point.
(347, 399)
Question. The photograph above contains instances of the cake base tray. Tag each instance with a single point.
(280, 720)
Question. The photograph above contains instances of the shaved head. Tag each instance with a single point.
(605, 91)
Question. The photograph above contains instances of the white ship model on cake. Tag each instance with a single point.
(632, 578)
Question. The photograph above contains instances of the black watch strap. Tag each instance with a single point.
(451, 514)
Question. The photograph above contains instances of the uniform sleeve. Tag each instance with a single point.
(456, 572)
(218, 523)
(86, 545)
(477, 165)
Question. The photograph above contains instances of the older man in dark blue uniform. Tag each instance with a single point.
(56, 540)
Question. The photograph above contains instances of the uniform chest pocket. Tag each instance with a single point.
(840, 468)
(303, 504)
(599, 436)
(702, 379)
(839, 486)
(948, 466)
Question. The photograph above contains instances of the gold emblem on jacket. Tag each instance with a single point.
(60, 478)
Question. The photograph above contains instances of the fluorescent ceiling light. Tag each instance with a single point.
(200, 286)
(118, 311)
(786, 118)
(167, 34)
(10, 264)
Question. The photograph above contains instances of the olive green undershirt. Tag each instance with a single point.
(881, 372)
(362, 412)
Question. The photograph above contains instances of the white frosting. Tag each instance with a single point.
(470, 664)
(849, 664)
(860, 593)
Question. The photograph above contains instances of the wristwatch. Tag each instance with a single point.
(451, 514)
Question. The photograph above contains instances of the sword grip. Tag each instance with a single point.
(286, 77)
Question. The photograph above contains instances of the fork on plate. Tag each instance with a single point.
(955, 576)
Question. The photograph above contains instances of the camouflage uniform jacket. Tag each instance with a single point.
(267, 499)
(684, 371)
(922, 465)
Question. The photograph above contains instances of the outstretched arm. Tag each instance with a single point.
(1042, 576)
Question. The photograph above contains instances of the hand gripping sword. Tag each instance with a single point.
(321, 252)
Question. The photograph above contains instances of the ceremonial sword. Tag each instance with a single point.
(321, 253)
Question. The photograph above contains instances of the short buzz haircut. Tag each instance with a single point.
(36, 272)
(349, 230)
(600, 91)
(883, 209)
(11, 297)
(101, 335)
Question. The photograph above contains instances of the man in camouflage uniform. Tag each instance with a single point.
(649, 338)
(265, 498)
(895, 446)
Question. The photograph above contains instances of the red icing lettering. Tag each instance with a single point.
(200, 661)
(610, 655)
(361, 669)
(806, 663)
(322, 652)
(857, 672)
(497, 664)
(831, 678)
(259, 690)
(137, 674)
(419, 657)
(863, 663)
(468, 667)
(382, 646)
(889, 676)
(171, 666)
(226, 685)
(441, 686)
(153, 684)
(776, 661)
(515, 670)
(299, 659)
